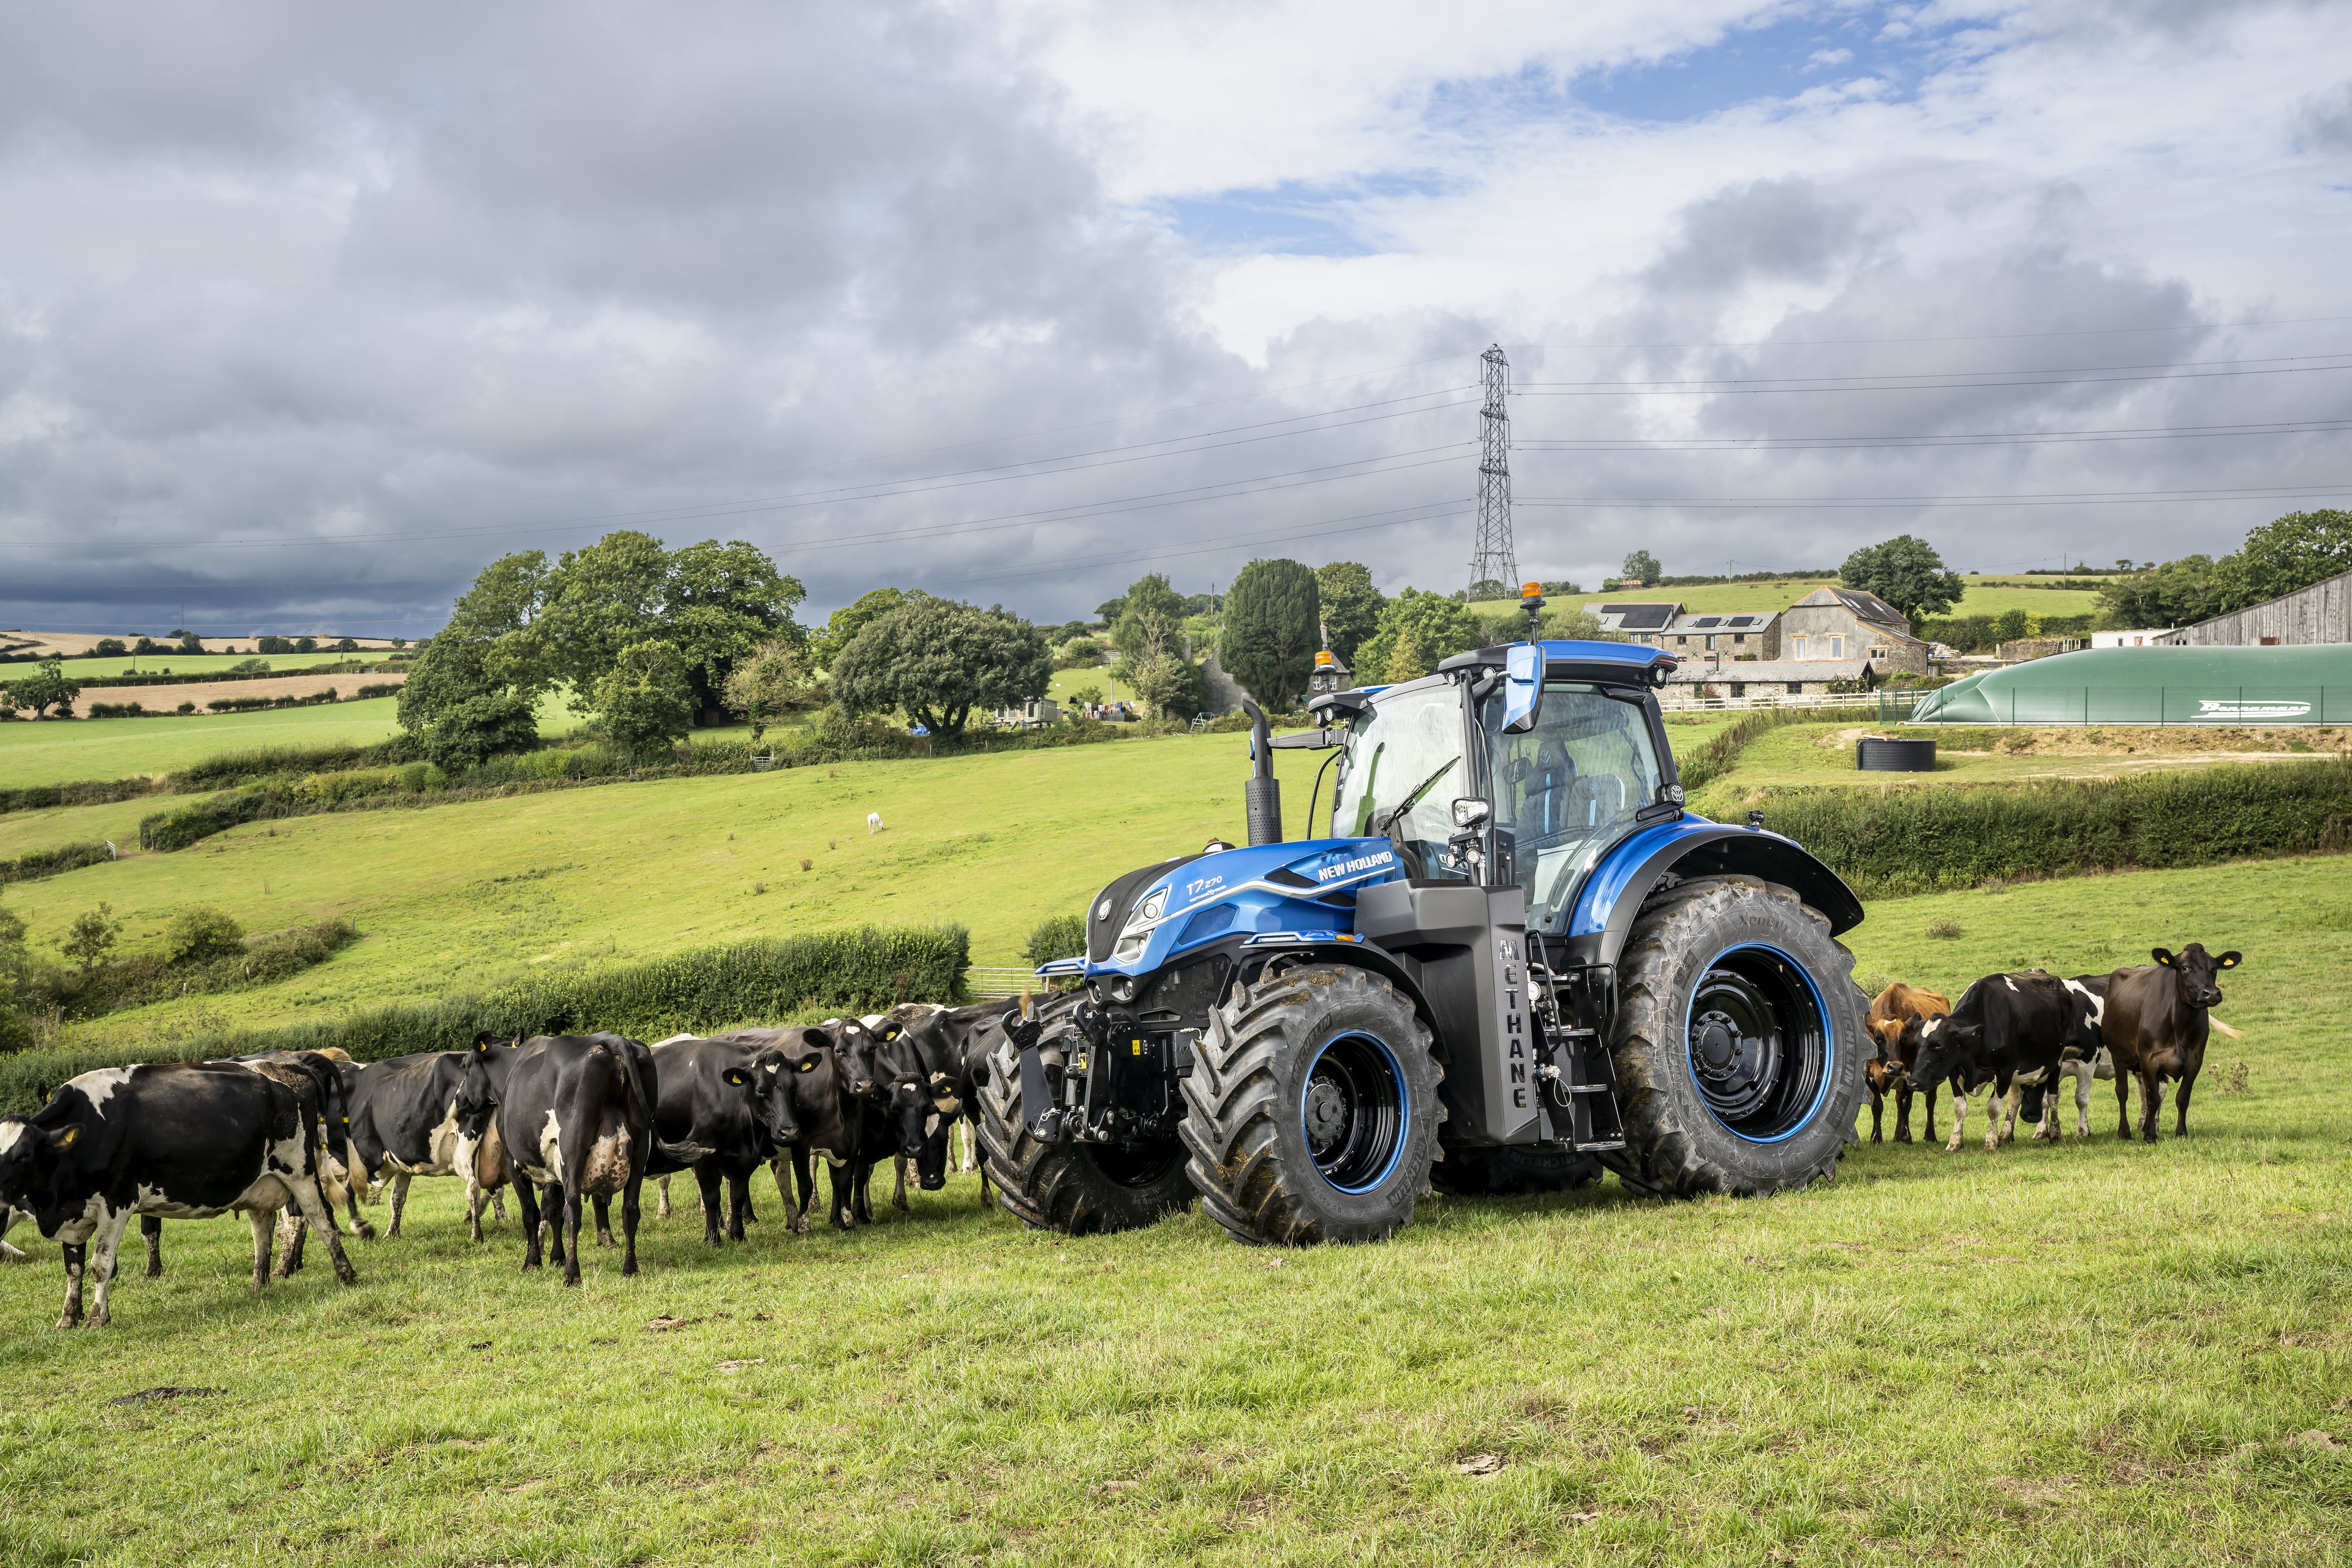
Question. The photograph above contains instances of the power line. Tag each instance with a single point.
(1955, 337)
(1955, 439)
(2054, 497)
(1492, 556)
(1888, 381)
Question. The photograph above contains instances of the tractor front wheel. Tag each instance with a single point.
(1311, 1111)
(1078, 1189)
(1737, 1043)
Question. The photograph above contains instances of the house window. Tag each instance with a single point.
(1837, 647)
(1878, 653)
(1740, 689)
(1796, 689)
(1682, 642)
(1798, 646)
(1739, 636)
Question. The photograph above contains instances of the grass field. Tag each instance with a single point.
(177, 663)
(467, 894)
(2086, 1354)
(1985, 596)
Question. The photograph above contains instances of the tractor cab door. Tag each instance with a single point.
(1399, 773)
(1566, 790)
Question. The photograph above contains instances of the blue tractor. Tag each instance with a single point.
(1514, 961)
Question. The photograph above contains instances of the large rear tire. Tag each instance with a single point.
(1738, 1044)
(1311, 1113)
(1078, 1189)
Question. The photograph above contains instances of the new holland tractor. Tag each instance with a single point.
(1512, 960)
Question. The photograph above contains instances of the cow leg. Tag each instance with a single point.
(526, 1200)
(74, 1256)
(738, 1205)
(706, 1178)
(1902, 1113)
(843, 1180)
(1929, 1092)
(105, 1242)
(2004, 1118)
(898, 1198)
(551, 1205)
(400, 1202)
(288, 1225)
(2123, 1105)
(259, 1220)
(629, 1211)
(1877, 1109)
(603, 1219)
(151, 1231)
(2151, 1104)
(861, 1187)
(359, 1178)
(2181, 1104)
(570, 1235)
(1959, 1115)
(804, 1181)
(661, 1198)
(322, 1219)
(474, 1200)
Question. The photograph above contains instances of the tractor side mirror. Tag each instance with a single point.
(1523, 672)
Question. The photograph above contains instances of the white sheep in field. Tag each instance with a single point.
(873, 823)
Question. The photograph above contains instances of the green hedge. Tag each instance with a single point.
(1898, 842)
(50, 862)
(1057, 936)
(858, 971)
(1713, 759)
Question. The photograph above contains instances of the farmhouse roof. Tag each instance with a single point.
(1866, 607)
(1705, 671)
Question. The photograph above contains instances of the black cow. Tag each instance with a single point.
(831, 1116)
(2157, 1021)
(735, 1099)
(415, 1116)
(2002, 1026)
(576, 1115)
(315, 1081)
(935, 1051)
(185, 1141)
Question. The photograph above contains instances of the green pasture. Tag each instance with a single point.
(2093, 1353)
(471, 893)
(178, 663)
(1985, 596)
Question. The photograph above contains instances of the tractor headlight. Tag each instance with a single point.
(1147, 911)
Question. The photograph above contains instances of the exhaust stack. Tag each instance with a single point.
(1262, 797)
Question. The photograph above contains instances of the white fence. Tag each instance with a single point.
(987, 983)
(1674, 702)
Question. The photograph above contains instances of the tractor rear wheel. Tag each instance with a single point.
(1078, 1189)
(1737, 1043)
(1311, 1111)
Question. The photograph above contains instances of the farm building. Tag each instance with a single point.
(1772, 677)
(2155, 686)
(1669, 625)
(1846, 624)
(2321, 613)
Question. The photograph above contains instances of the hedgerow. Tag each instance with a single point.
(50, 862)
(1898, 842)
(1713, 759)
(858, 971)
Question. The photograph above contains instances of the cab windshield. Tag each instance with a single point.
(1399, 773)
(1567, 789)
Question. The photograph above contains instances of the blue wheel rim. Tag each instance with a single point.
(1354, 1113)
(1758, 1043)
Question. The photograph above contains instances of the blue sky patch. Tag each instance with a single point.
(1293, 218)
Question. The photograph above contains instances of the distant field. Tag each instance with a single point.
(53, 752)
(1985, 596)
(187, 663)
(2100, 1353)
(468, 894)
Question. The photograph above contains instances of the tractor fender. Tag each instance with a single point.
(1250, 967)
(1616, 889)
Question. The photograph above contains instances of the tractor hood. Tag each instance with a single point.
(1147, 916)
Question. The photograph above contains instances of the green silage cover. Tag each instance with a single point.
(2155, 686)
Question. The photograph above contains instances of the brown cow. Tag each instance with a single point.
(1889, 1069)
(2156, 1027)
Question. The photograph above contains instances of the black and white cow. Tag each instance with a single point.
(734, 1098)
(2003, 1026)
(429, 1115)
(182, 1141)
(576, 1115)
(2041, 1095)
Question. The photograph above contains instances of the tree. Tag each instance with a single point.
(90, 938)
(645, 702)
(1149, 636)
(15, 983)
(306, 645)
(1906, 572)
(1642, 567)
(1487, 588)
(1150, 613)
(460, 713)
(345, 644)
(770, 684)
(48, 687)
(1574, 622)
(2287, 553)
(200, 934)
(1079, 652)
(190, 642)
(2173, 594)
(273, 644)
(938, 659)
(110, 647)
(1416, 630)
(1272, 631)
(846, 621)
(1351, 607)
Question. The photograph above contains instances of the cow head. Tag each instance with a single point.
(861, 1045)
(1936, 1046)
(770, 1080)
(2193, 969)
(29, 1153)
(478, 1095)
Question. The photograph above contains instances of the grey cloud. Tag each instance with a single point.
(2325, 120)
(1767, 230)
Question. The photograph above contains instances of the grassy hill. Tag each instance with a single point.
(2095, 1353)
(1986, 596)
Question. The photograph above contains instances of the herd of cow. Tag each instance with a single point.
(565, 1120)
(575, 1120)
(2016, 1035)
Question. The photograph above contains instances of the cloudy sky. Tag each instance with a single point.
(308, 312)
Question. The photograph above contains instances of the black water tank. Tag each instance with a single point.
(1878, 754)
